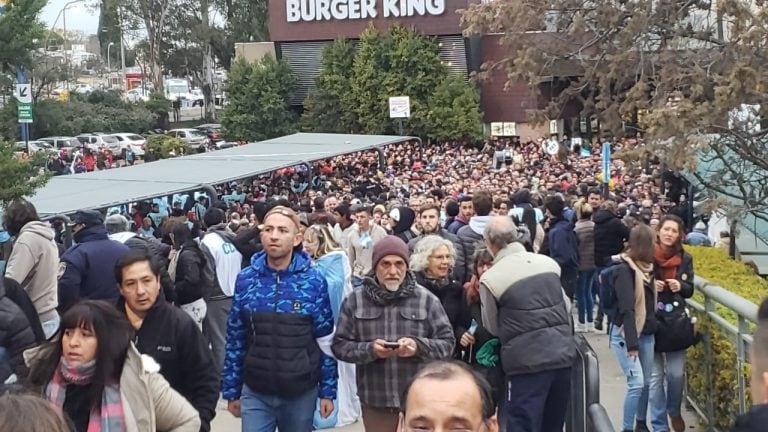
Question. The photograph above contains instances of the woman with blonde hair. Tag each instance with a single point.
(432, 261)
(331, 260)
(585, 232)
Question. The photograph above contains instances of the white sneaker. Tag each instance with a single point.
(581, 328)
(590, 327)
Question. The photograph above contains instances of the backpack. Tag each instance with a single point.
(607, 290)
(208, 274)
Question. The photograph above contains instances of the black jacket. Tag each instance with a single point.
(753, 421)
(247, 242)
(451, 296)
(624, 284)
(16, 335)
(172, 338)
(192, 282)
(610, 235)
(684, 275)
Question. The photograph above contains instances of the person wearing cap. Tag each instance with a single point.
(390, 327)
(278, 361)
(86, 269)
(524, 305)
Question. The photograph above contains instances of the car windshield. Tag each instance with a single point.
(118, 137)
(196, 133)
(135, 138)
(71, 143)
(109, 139)
(43, 144)
(84, 139)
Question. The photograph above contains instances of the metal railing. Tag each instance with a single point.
(739, 333)
(585, 414)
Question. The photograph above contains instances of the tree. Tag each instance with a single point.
(154, 15)
(246, 21)
(454, 111)
(258, 100)
(353, 89)
(18, 178)
(327, 107)
(20, 33)
(678, 69)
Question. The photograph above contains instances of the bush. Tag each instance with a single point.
(164, 146)
(715, 266)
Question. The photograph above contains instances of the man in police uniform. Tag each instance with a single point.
(87, 269)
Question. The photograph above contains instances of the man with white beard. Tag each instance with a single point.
(390, 327)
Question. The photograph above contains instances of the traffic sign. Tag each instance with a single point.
(399, 107)
(552, 147)
(25, 112)
(24, 93)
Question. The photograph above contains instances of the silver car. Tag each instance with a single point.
(193, 137)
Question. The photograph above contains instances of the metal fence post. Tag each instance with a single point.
(741, 358)
(709, 307)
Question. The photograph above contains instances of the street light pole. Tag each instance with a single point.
(109, 65)
(122, 51)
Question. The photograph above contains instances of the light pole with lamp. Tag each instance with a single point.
(109, 65)
(48, 36)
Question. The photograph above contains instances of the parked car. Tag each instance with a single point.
(193, 137)
(62, 143)
(34, 147)
(135, 142)
(212, 131)
(136, 95)
(97, 140)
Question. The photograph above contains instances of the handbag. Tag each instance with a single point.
(676, 330)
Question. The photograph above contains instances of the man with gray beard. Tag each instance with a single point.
(390, 327)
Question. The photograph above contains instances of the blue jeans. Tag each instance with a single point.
(264, 413)
(584, 300)
(638, 372)
(669, 367)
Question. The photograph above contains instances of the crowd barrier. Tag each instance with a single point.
(585, 414)
(718, 402)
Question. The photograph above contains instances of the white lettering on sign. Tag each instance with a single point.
(327, 10)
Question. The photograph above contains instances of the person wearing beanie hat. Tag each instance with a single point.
(390, 327)
(86, 269)
(698, 237)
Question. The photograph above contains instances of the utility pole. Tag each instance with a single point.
(122, 52)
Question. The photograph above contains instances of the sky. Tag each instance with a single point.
(79, 17)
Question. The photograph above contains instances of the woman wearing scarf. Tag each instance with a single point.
(94, 375)
(633, 326)
(333, 263)
(673, 270)
(432, 260)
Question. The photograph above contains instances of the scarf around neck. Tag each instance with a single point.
(643, 275)
(666, 263)
(382, 296)
(109, 417)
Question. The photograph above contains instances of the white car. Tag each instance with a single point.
(34, 147)
(136, 95)
(81, 88)
(135, 142)
(97, 140)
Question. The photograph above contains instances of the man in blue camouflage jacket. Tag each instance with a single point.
(279, 333)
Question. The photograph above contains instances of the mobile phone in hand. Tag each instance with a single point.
(472, 328)
(392, 345)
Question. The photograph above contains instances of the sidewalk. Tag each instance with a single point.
(612, 390)
(613, 384)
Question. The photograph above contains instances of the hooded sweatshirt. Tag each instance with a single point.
(33, 264)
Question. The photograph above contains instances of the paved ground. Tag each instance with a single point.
(612, 390)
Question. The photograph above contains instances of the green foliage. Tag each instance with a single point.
(353, 90)
(18, 178)
(714, 265)
(164, 146)
(20, 33)
(328, 109)
(159, 106)
(258, 100)
(52, 117)
(455, 111)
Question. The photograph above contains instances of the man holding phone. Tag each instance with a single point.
(390, 327)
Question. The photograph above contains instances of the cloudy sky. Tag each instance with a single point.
(79, 17)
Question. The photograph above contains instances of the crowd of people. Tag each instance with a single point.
(319, 295)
